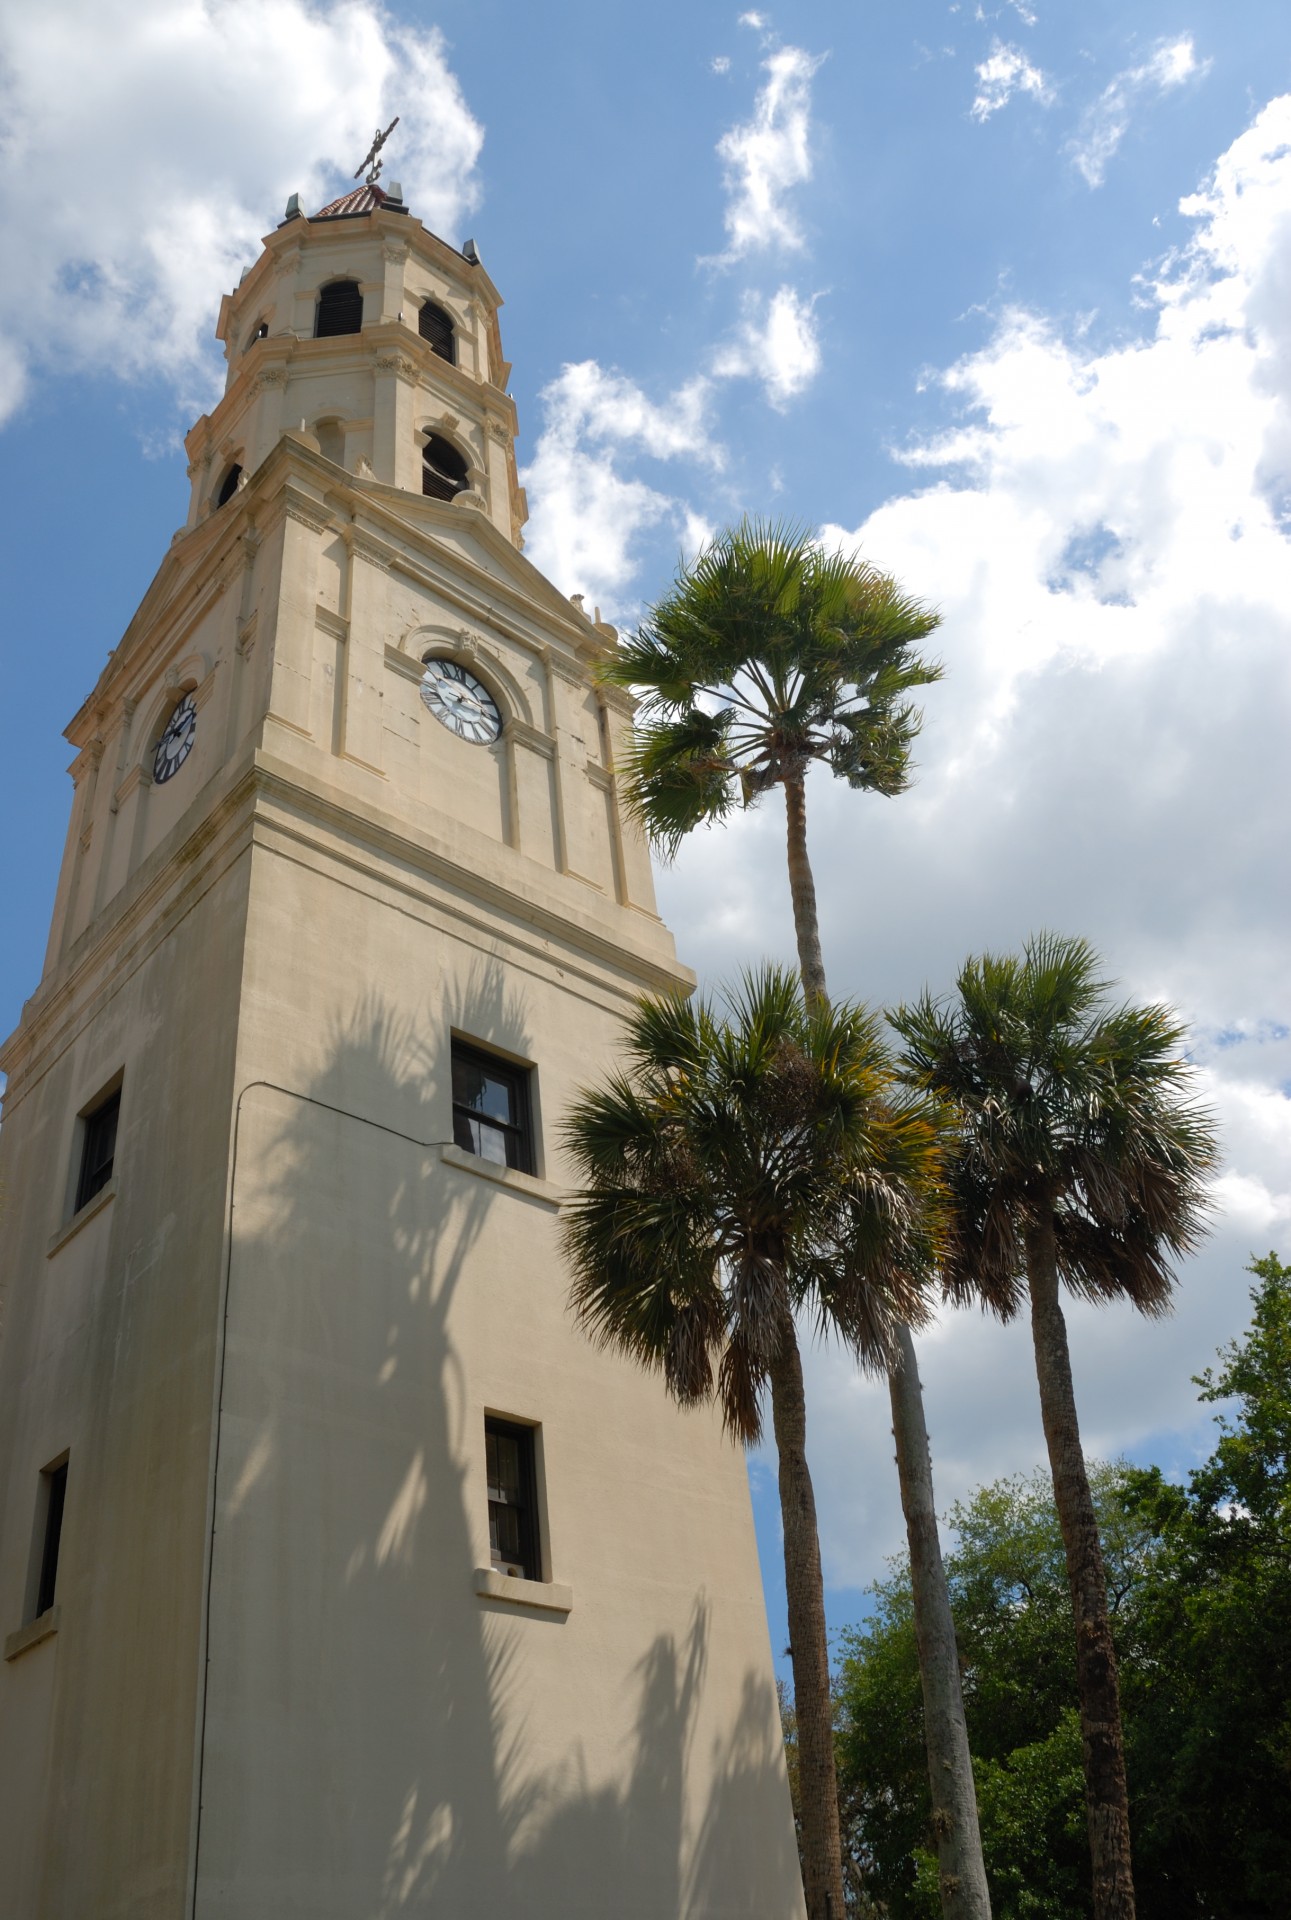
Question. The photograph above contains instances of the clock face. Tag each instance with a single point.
(460, 703)
(176, 742)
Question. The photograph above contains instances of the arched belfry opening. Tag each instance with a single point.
(339, 310)
(436, 329)
(443, 470)
(229, 485)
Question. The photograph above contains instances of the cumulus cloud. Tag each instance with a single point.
(1104, 125)
(766, 157)
(587, 514)
(1004, 72)
(1107, 530)
(212, 115)
(777, 343)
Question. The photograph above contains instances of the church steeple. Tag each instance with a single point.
(378, 341)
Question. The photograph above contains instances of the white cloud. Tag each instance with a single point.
(1106, 530)
(1104, 124)
(777, 343)
(757, 21)
(720, 63)
(586, 514)
(212, 115)
(768, 156)
(1006, 71)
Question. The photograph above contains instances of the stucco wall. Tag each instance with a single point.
(379, 1737)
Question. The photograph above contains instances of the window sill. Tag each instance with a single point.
(538, 1596)
(38, 1629)
(78, 1220)
(523, 1183)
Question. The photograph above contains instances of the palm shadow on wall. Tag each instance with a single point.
(394, 1765)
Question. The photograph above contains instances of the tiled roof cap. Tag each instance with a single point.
(364, 199)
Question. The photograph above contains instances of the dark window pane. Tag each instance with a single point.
(98, 1149)
(56, 1496)
(491, 1109)
(230, 486)
(513, 1528)
(484, 1090)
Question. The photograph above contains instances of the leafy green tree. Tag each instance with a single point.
(1209, 1716)
(1009, 1591)
(1080, 1163)
(737, 1170)
(770, 656)
(1199, 1592)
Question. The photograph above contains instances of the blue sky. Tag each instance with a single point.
(1002, 295)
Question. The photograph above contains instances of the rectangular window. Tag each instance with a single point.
(491, 1113)
(98, 1148)
(513, 1499)
(53, 1494)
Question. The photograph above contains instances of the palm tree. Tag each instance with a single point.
(1080, 1161)
(769, 655)
(736, 1170)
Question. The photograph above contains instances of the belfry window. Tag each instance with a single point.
(436, 329)
(229, 485)
(260, 331)
(340, 309)
(443, 470)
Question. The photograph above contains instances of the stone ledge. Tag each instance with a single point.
(44, 1625)
(105, 1193)
(525, 1184)
(542, 1596)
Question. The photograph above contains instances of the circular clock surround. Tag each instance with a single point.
(460, 702)
(176, 742)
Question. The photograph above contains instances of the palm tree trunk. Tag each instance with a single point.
(961, 1869)
(802, 888)
(822, 1853)
(1106, 1800)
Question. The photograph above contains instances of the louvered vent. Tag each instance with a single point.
(443, 470)
(436, 329)
(340, 309)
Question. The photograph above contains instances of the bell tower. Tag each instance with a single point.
(340, 1575)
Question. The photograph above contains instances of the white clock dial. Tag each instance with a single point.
(460, 703)
(176, 742)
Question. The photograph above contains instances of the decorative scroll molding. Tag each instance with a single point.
(270, 377)
(397, 363)
(498, 430)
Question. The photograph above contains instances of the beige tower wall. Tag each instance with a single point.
(281, 1680)
(380, 1736)
(109, 1345)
